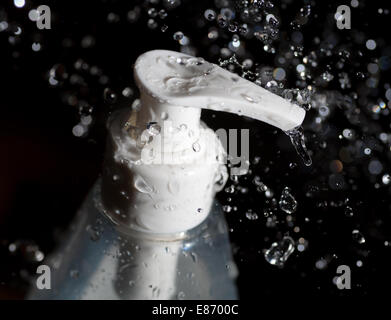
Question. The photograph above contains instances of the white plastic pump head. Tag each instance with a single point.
(179, 86)
(166, 196)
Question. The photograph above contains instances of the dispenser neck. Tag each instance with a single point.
(153, 110)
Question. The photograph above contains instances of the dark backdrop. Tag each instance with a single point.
(46, 170)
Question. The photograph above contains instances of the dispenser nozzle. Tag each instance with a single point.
(177, 86)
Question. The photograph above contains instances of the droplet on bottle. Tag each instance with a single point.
(173, 187)
(171, 4)
(222, 21)
(287, 202)
(93, 233)
(227, 208)
(230, 189)
(196, 147)
(249, 99)
(292, 165)
(141, 185)
(164, 115)
(279, 252)
(221, 178)
(251, 215)
(194, 257)
(153, 128)
(321, 264)
(163, 14)
(127, 92)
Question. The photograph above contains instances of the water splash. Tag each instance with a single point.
(297, 138)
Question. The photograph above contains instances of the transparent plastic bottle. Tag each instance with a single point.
(102, 260)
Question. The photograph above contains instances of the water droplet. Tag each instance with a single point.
(287, 202)
(349, 211)
(153, 128)
(127, 92)
(152, 24)
(297, 138)
(194, 257)
(141, 185)
(279, 252)
(171, 4)
(210, 14)
(173, 187)
(93, 233)
(292, 165)
(164, 116)
(178, 35)
(249, 99)
(196, 147)
(358, 236)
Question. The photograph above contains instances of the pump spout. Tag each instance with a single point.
(178, 85)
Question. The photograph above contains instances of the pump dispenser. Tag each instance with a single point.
(151, 228)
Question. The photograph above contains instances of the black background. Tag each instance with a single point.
(45, 171)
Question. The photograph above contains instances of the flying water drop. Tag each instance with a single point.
(287, 202)
(358, 236)
(279, 252)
